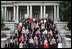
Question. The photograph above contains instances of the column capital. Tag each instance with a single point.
(5, 6)
(44, 5)
(17, 6)
(55, 5)
(27, 5)
(30, 5)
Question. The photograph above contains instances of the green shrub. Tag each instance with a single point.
(65, 10)
(65, 28)
(3, 35)
(2, 21)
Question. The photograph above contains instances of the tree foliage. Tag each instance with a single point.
(2, 21)
(65, 10)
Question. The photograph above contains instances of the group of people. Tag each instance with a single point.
(34, 33)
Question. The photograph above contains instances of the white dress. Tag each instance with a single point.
(59, 45)
(31, 41)
(21, 45)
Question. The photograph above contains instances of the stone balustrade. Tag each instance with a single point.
(3, 40)
(66, 42)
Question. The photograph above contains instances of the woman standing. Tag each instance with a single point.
(25, 44)
(21, 45)
(46, 45)
(22, 38)
(51, 45)
(36, 44)
(31, 42)
(41, 45)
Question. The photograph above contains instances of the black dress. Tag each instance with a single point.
(50, 46)
(16, 45)
(11, 45)
(25, 46)
(41, 46)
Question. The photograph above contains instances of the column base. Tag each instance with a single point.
(58, 20)
(55, 21)
(17, 21)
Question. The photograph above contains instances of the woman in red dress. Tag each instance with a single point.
(46, 45)
(30, 20)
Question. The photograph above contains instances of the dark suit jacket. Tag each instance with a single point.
(16, 46)
(11, 45)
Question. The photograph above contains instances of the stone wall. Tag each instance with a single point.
(7, 32)
(3, 41)
(11, 25)
(66, 42)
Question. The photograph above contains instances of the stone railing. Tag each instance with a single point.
(11, 25)
(7, 32)
(62, 34)
(3, 41)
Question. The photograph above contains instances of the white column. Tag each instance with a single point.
(17, 14)
(41, 11)
(8, 15)
(28, 11)
(58, 13)
(44, 11)
(2, 11)
(14, 14)
(5, 12)
(31, 11)
(54, 13)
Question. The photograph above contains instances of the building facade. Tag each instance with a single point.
(14, 11)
